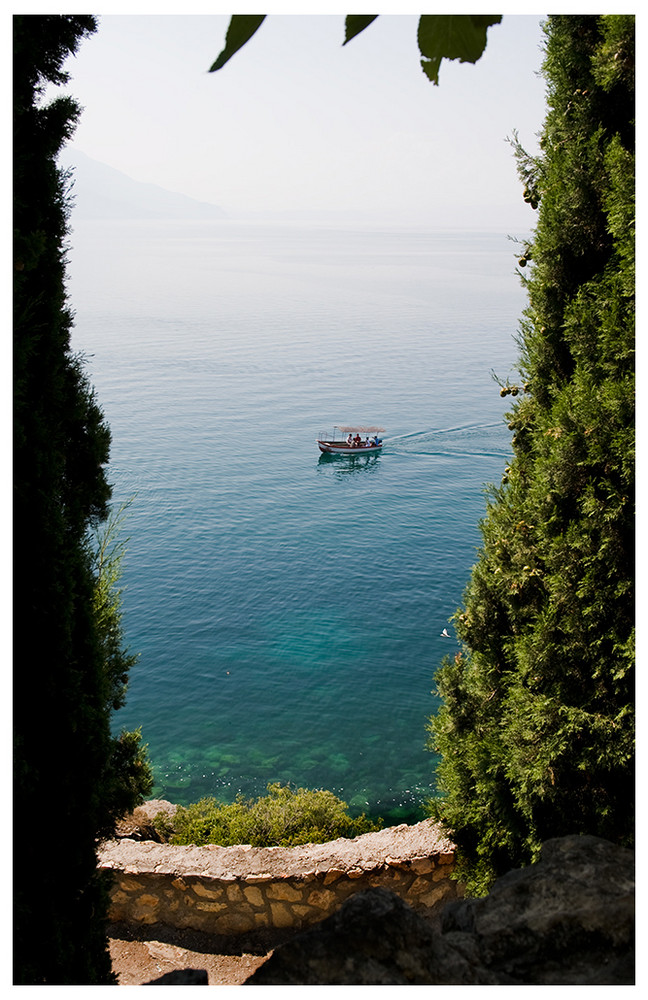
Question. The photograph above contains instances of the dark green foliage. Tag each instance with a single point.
(355, 23)
(107, 553)
(536, 731)
(452, 36)
(128, 776)
(440, 36)
(240, 30)
(283, 817)
(67, 672)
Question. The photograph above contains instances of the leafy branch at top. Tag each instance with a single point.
(240, 30)
(450, 36)
(440, 36)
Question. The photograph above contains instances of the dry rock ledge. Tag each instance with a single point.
(234, 890)
(567, 920)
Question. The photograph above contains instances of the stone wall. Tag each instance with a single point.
(233, 890)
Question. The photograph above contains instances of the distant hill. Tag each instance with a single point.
(100, 192)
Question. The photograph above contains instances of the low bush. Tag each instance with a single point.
(284, 817)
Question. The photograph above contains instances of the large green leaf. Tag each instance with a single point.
(452, 36)
(355, 23)
(240, 30)
(440, 36)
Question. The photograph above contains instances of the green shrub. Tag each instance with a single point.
(284, 817)
(535, 733)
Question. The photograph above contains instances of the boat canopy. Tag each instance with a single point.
(365, 430)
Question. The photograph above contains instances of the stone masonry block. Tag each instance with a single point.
(397, 863)
(309, 875)
(209, 891)
(281, 915)
(421, 886)
(422, 866)
(323, 899)
(355, 872)
(130, 884)
(210, 907)
(333, 874)
(234, 893)
(284, 891)
(253, 895)
(148, 900)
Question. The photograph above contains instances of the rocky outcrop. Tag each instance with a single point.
(140, 824)
(374, 939)
(567, 920)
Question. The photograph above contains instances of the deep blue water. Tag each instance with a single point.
(287, 607)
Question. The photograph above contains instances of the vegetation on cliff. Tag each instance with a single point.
(536, 730)
(284, 817)
(69, 667)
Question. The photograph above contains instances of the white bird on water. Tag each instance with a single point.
(445, 634)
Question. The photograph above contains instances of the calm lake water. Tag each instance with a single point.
(286, 606)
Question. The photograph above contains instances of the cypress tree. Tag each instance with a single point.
(71, 776)
(536, 728)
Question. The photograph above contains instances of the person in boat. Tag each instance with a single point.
(357, 441)
(367, 443)
(349, 439)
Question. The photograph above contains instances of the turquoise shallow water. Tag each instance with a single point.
(287, 606)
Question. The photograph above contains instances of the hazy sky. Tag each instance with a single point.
(297, 122)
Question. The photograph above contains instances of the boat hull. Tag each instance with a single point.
(342, 448)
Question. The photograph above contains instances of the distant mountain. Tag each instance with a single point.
(100, 192)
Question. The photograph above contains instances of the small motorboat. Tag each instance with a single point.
(353, 445)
